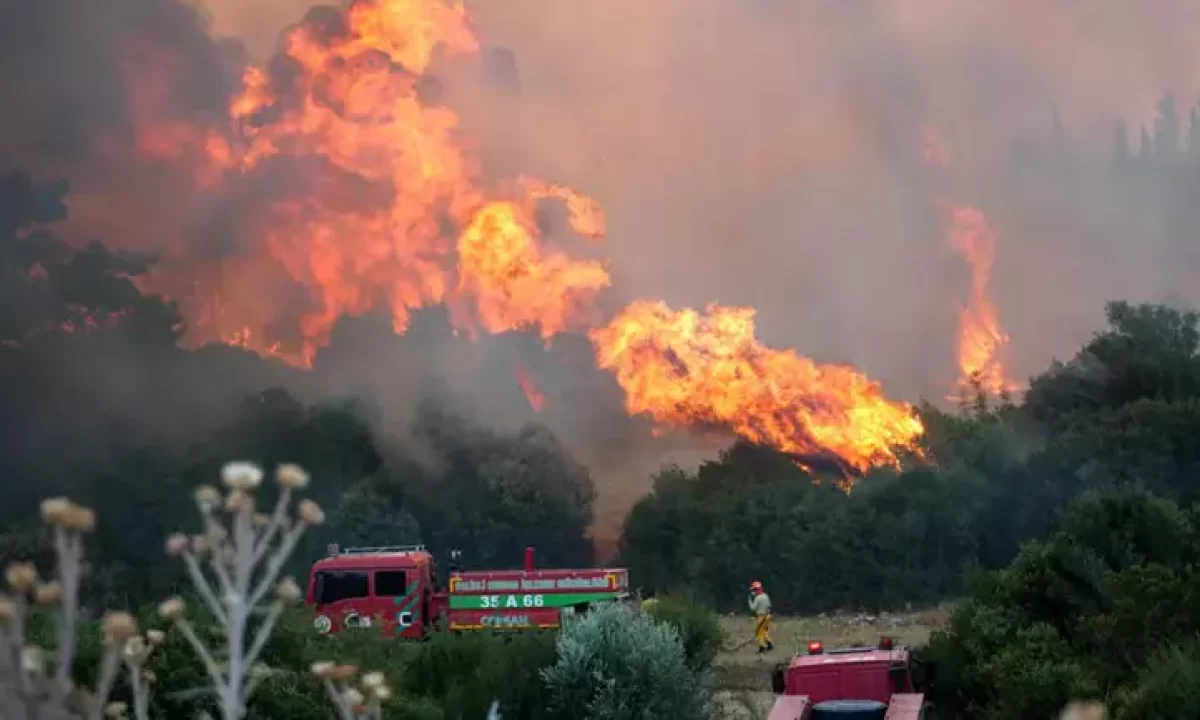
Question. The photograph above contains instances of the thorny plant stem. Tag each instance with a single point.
(24, 683)
(338, 697)
(205, 588)
(69, 548)
(275, 564)
(215, 534)
(108, 673)
(239, 605)
(205, 657)
(141, 692)
(277, 518)
(263, 634)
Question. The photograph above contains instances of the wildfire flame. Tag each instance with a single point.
(537, 399)
(375, 203)
(387, 184)
(587, 217)
(981, 338)
(516, 284)
(685, 368)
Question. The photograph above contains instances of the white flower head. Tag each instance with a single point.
(372, 680)
(243, 476)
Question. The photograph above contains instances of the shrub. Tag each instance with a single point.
(697, 625)
(291, 690)
(464, 673)
(1168, 688)
(616, 663)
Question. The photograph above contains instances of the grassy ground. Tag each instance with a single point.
(745, 676)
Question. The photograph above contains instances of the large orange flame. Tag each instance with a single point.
(685, 368)
(514, 283)
(981, 338)
(386, 179)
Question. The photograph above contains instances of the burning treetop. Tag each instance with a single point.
(684, 368)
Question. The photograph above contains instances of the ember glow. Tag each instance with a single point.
(981, 339)
(690, 369)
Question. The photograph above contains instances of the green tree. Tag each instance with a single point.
(492, 495)
(617, 663)
(1076, 616)
(368, 518)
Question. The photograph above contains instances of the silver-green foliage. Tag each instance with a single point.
(616, 663)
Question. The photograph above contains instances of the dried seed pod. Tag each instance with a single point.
(311, 513)
(8, 610)
(292, 476)
(200, 545)
(115, 710)
(48, 594)
(373, 680)
(33, 660)
(353, 697)
(54, 510)
(207, 498)
(177, 544)
(236, 501)
(135, 649)
(344, 672)
(79, 519)
(172, 608)
(21, 577)
(287, 590)
(118, 627)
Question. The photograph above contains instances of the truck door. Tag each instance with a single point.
(399, 591)
(339, 598)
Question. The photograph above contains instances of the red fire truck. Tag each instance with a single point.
(854, 683)
(396, 589)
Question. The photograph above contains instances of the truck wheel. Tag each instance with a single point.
(779, 679)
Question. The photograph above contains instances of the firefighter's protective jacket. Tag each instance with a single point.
(760, 604)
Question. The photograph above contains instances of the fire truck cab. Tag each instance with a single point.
(854, 683)
(391, 588)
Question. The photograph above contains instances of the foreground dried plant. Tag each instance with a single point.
(35, 682)
(235, 565)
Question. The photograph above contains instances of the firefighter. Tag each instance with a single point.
(760, 605)
(650, 601)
